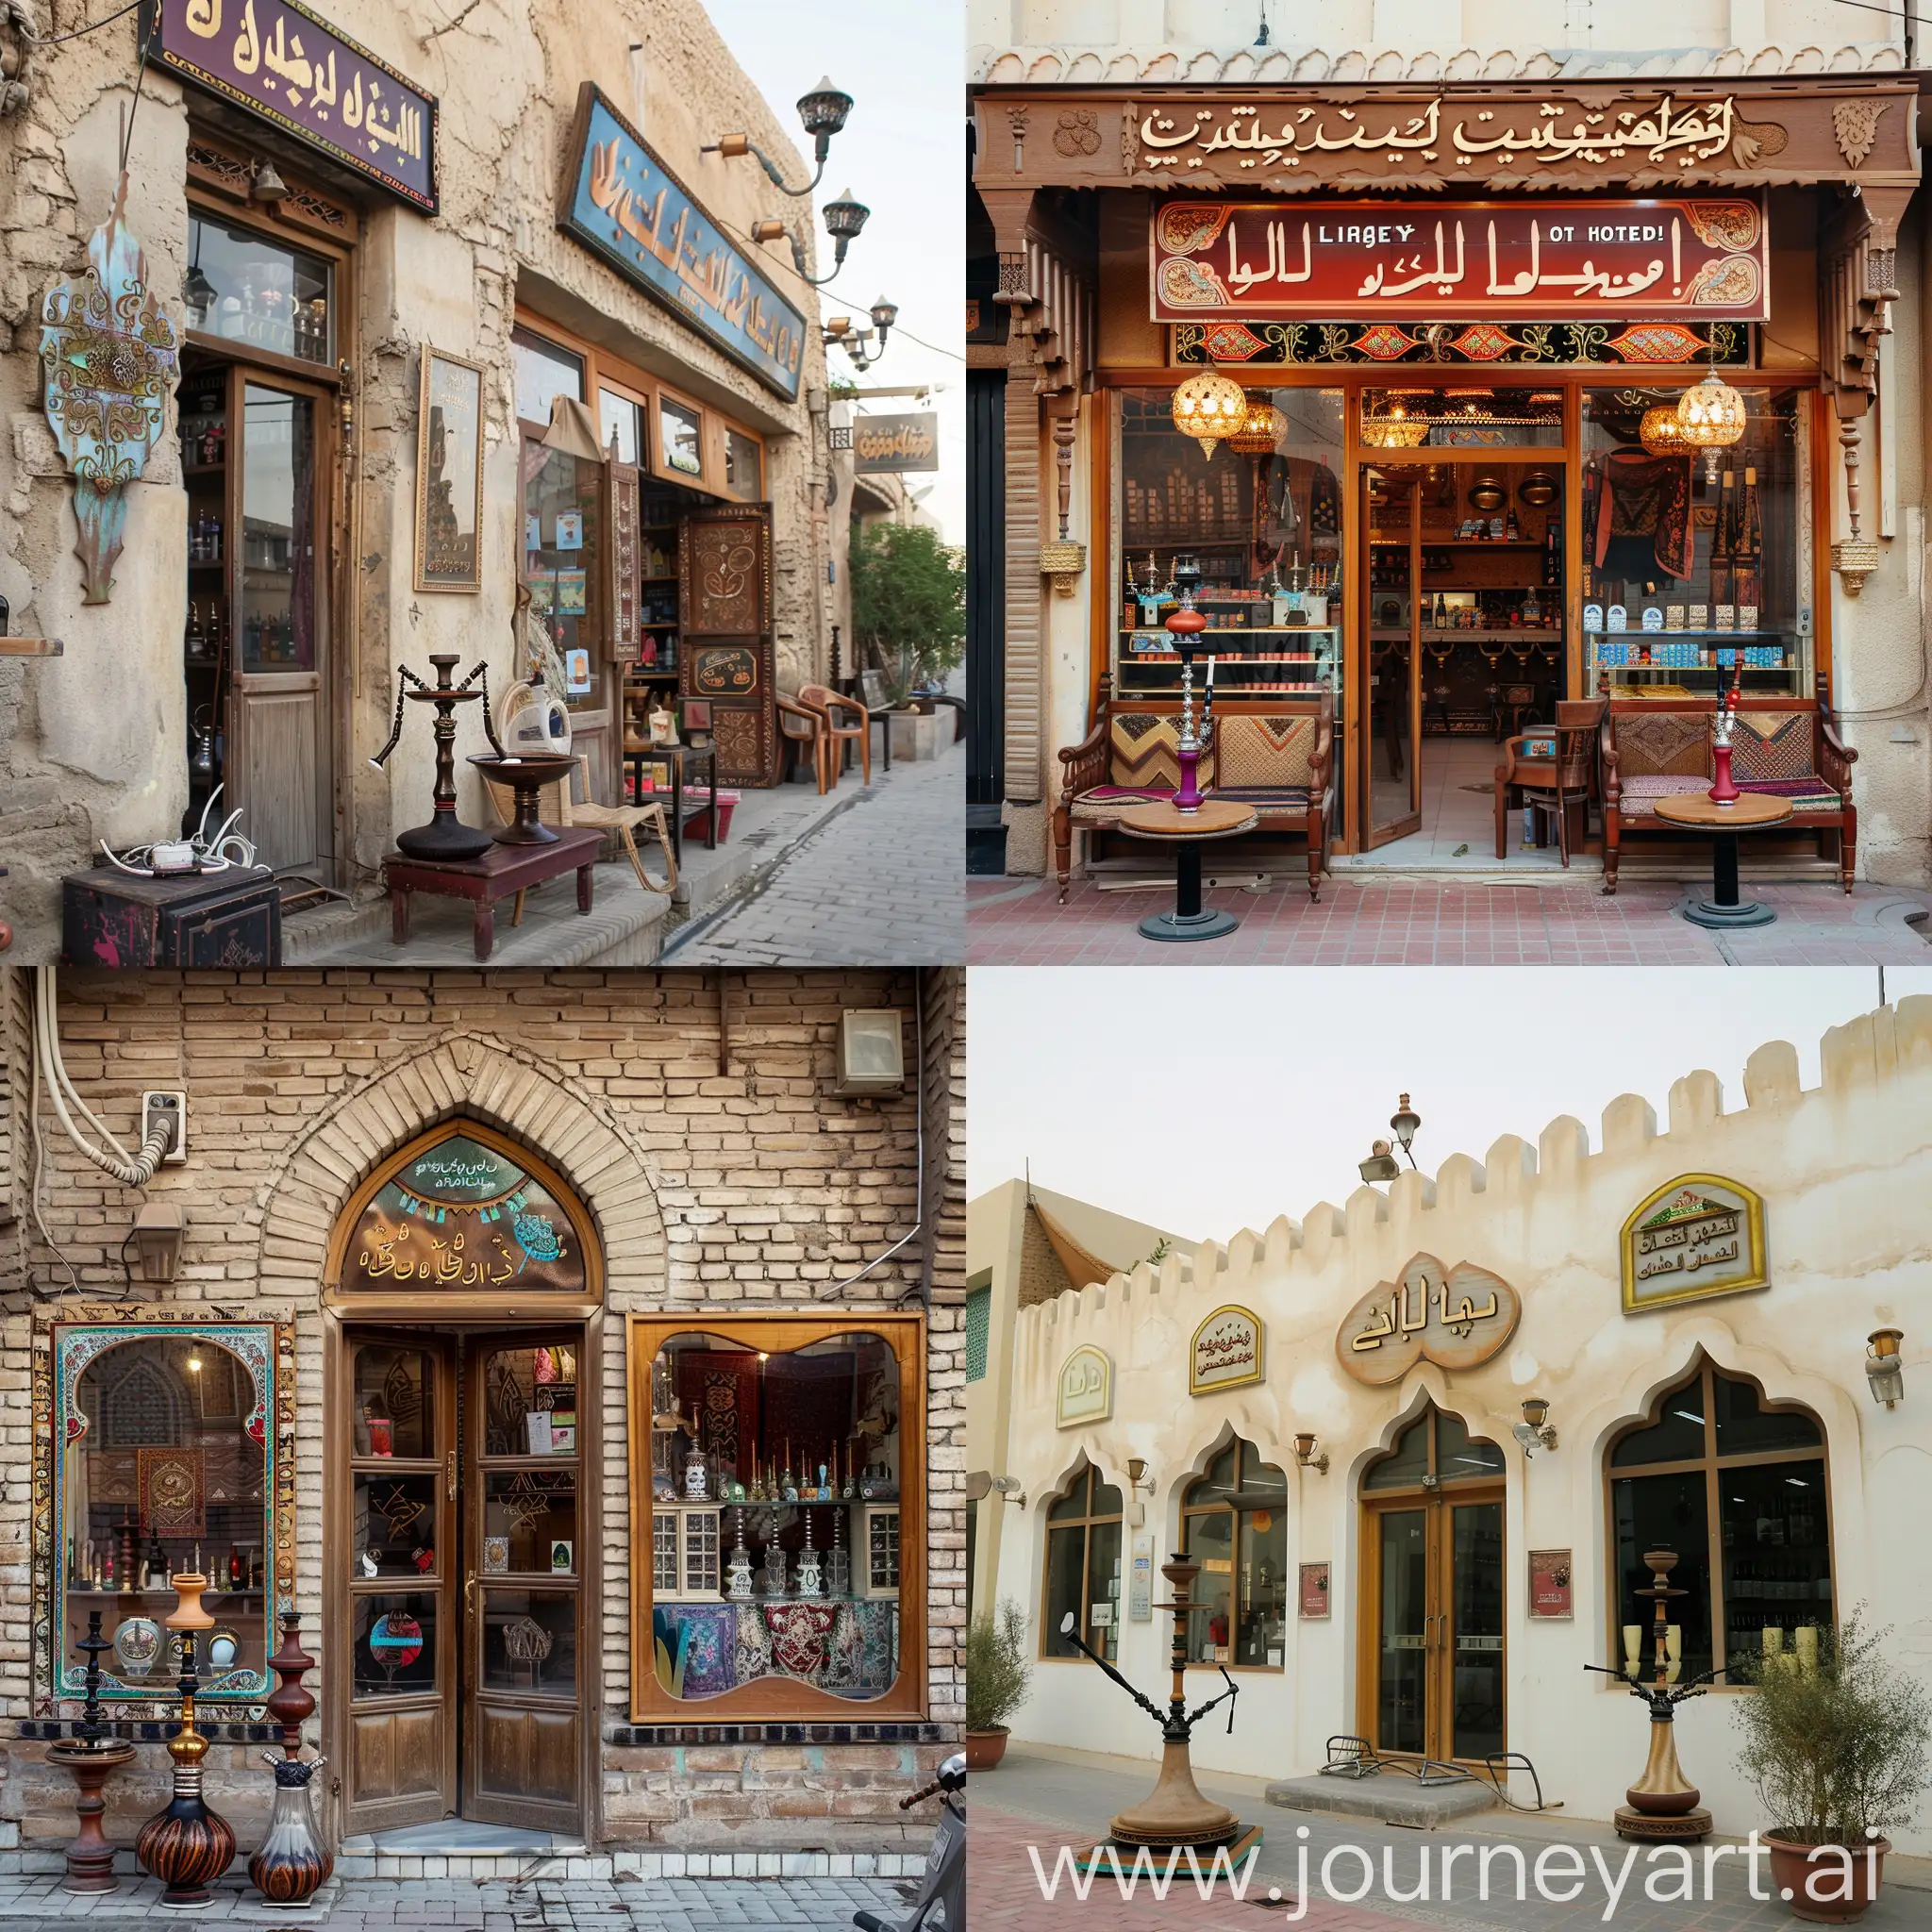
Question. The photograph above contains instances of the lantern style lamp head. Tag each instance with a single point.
(1534, 1430)
(884, 314)
(1884, 1369)
(824, 112)
(1260, 429)
(1393, 430)
(1403, 1124)
(1211, 408)
(1711, 416)
(1136, 1473)
(1304, 1453)
(1661, 433)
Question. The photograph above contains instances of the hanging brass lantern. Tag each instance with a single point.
(1661, 433)
(1711, 416)
(1211, 408)
(1395, 429)
(1260, 430)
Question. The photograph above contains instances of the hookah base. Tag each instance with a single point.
(1237, 1849)
(444, 841)
(1687, 1827)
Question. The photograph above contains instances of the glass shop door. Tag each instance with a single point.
(1389, 722)
(1436, 1642)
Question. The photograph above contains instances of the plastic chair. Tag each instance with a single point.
(801, 725)
(858, 729)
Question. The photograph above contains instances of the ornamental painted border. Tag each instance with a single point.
(266, 1348)
(1234, 343)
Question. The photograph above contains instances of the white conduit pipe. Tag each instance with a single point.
(130, 1169)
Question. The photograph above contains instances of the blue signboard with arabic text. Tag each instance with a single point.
(622, 201)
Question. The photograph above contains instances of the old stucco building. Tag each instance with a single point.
(304, 294)
(733, 1215)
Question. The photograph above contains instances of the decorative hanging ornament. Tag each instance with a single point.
(1711, 416)
(1260, 429)
(1211, 408)
(1395, 429)
(1661, 433)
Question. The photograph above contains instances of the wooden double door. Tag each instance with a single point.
(459, 1480)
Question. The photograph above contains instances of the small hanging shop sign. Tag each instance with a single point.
(890, 445)
(1698, 1236)
(623, 203)
(108, 358)
(1550, 1573)
(1086, 1388)
(279, 60)
(1314, 1590)
(1226, 1352)
(1456, 1318)
(1462, 260)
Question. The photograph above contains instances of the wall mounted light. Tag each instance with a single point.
(1535, 1428)
(823, 111)
(1009, 1490)
(160, 1227)
(266, 185)
(1137, 1474)
(872, 1050)
(1382, 1165)
(1304, 1453)
(1884, 1368)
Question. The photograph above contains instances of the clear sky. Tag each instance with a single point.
(901, 153)
(1202, 1100)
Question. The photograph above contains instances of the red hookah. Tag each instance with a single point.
(1723, 789)
(1185, 626)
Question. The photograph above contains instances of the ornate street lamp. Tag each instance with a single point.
(822, 110)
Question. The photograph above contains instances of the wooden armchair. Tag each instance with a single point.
(557, 808)
(848, 721)
(802, 729)
(1564, 783)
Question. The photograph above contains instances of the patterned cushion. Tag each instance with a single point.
(1771, 744)
(1252, 751)
(1638, 793)
(1143, 749)
(1267, 798)
(1807, 793)
(1662, 744)
(1104, 804)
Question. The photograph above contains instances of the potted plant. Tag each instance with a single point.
(998, 1673)
(1835, 1747)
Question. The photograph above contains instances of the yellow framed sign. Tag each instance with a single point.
(1226, 1352)
(1696, 1237)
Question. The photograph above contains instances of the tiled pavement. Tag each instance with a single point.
(1066, 1799)
(883, 883)
(656, 1905)
(1392, 921)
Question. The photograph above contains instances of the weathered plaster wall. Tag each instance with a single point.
(94, 742)
(752, 1189)
(1844, 1169)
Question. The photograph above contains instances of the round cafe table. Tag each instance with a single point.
(1187, 831)
(1697, 811)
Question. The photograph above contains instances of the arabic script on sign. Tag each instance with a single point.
(1454, 1317)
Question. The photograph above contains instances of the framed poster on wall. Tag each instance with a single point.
(449, 474)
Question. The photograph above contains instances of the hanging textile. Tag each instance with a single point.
(1640, 495)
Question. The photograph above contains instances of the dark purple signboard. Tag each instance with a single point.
(277, 60)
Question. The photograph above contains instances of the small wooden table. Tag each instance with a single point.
(1187, 831)
(1698, 812)
(500, 872)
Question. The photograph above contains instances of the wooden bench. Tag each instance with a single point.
(1276, 758)
(1786, 746)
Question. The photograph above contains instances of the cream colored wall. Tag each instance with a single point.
(1844, 1169)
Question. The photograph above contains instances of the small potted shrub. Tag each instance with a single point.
(998, 1673)
(1836, 1751)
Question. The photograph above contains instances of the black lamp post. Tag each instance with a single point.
(1382, 1165)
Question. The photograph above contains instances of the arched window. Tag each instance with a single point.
(1234, 1524)
(1083, 1566)
(1435, 1449)
(1737, 1487)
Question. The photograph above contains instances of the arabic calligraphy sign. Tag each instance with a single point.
(1461, 259)
(1454, 1317)
(463, 1215)
(281, 61)
(1226, 1352)
(623, 203)
(1085, 1391)
(1697, 1236)
(888, 445)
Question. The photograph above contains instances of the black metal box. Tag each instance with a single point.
(224, 919)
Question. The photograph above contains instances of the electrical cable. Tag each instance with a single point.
(131, 1170)
(40, 1162)
(80, 33)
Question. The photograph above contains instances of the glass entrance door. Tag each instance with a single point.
(1391, 721)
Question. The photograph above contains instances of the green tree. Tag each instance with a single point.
(909, 602)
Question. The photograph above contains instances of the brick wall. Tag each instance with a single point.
(747, 1188)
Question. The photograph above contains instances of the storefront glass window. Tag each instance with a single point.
(1083, 1567)
(1695, 573)
(543, 372)
(563, 556)
(277, 531)
(680, 444)
(1756, 1476)
(774, 1506)
(1468, 416)
(619, 417)
(742, 466)
(250, 288)
(1260, 525)
(1234, 1524)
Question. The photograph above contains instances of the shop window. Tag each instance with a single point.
(743, 474)
(176, 1455)
(1259, 526)
(680, 438)
(247, 288)
(1234, 1524)
(463, 1208)
(543, 372)
(1464, 416)
(1435, 1448)
(620, 418)
(563, 563)
(1083, 1567)
(1695, 573)
(1737, 1489)
(781, 1461)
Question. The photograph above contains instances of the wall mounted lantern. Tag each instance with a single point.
(1884, 1369)
(1534, 1430)
(1304, 1453)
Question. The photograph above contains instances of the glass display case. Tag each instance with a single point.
(252, 290)
(1697, 568)
(1262, 525)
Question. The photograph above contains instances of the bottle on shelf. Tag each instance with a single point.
(1552, 555)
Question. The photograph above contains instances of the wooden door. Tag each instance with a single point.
(1389, 716)
(278, 769)
(523, 1566)
(397, 1463)
(724, 611)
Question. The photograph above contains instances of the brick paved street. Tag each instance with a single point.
(1067, 1799)
(657, 1905)
(882, 884)
(1442, 923)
